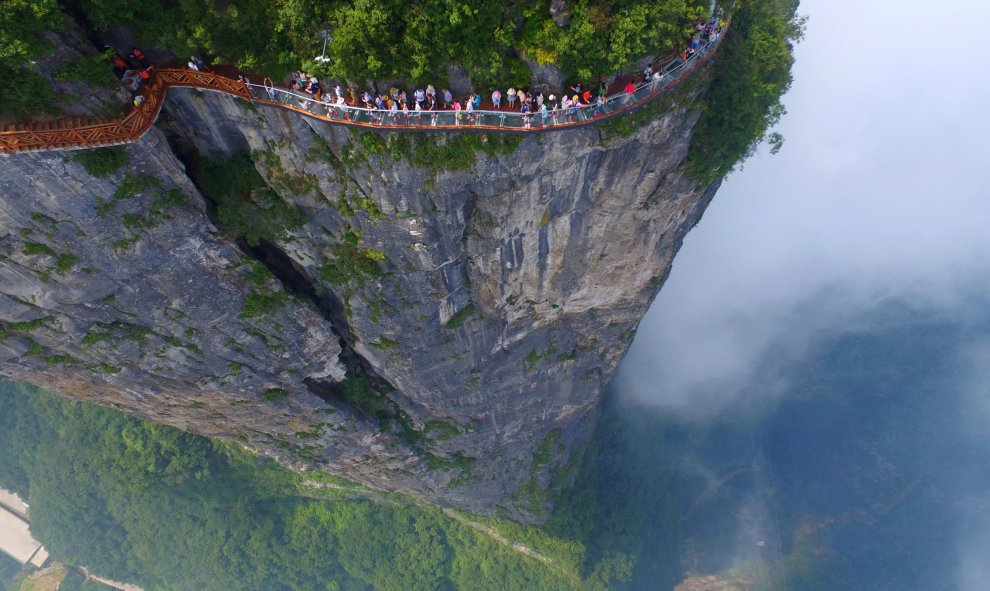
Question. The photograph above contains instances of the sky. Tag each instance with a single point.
(880, 196)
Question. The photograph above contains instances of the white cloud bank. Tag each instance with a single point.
(881, 194)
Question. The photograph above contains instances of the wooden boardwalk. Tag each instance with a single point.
(77, 133)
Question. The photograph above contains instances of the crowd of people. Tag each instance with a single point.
(395, 106)
(423, 105)
(133, 71)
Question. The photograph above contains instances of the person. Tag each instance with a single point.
(524, 109)
(138, 100)
(477, 102)
(431, 102)
(366, 99)
(137, 58)
(586, 97)
(431, 92)
(600, 105)
(269, 86)
(648, 72)
(457, 112)
(192, 65)
(543, 114)
(539, 100)
(655, 79)
(119, 66)
(497, 100)
(394, 110)
(577, 88)
(146, 74)
(338, 91)
(575, 104)
(511, 98)
(243, 79)
(630, 91)
(469, 107)
(420, 97)
(447, 98)
(201, 65)
(553, 101)
(521, 95)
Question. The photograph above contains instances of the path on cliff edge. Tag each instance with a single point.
(499, 538)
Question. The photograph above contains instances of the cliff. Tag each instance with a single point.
(432, 314)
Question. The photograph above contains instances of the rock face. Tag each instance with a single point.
(509, 278)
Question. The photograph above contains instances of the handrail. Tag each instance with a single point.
(69, 134)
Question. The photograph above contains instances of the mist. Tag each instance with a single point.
(874, 216)
(878, 199)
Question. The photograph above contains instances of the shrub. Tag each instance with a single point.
(102, 162)
(94, 70)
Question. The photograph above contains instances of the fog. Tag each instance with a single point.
(876, 209)
(878, 199)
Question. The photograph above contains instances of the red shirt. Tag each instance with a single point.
(630, 88)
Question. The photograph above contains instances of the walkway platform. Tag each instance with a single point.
(76, 133)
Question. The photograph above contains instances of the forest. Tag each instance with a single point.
(495, 44)
(843, 481)
(169, 510)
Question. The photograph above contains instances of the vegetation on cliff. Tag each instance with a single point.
(100, 483)
(752, 73)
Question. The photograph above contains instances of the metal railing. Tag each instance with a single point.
(673, 72)
(71, 134)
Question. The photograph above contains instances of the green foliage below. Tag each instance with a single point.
(75, 580)
(102, 162)
(246, 207)
(101, 484)
(752, 72)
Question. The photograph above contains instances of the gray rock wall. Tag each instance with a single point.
(510, 290)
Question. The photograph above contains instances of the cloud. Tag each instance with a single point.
(879, 198)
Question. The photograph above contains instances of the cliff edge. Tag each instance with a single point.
(433, 314)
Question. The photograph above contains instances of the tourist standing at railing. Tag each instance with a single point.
(457, 112)
(543, 114)
(655, 79)
(648, 73)
(630, 91)
(497, 100)
(600, 105)
(510, 97)
(447, 98)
